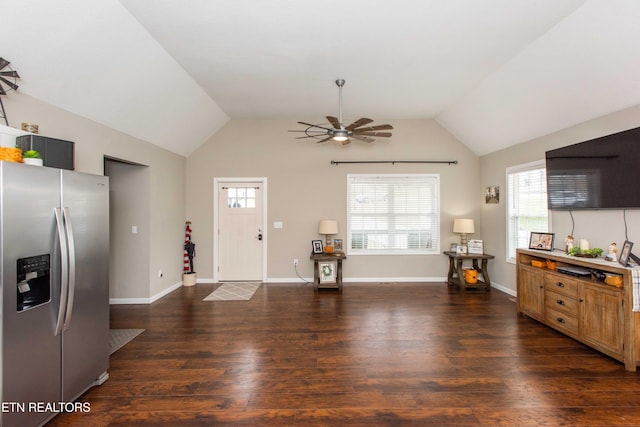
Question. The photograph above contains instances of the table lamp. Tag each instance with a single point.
(328, 227)
(463, 227)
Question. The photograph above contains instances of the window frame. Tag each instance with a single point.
(511, 170)
(396, 252)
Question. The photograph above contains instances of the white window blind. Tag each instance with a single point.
(393, 214)
(526, 205)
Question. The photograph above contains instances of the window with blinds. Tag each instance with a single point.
(526, 205)
(393, 214)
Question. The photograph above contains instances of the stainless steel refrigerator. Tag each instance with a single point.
(54, 253)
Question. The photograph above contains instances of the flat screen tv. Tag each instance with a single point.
(602, 173)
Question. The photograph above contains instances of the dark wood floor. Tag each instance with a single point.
(375, 355)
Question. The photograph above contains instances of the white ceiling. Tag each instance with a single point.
(172, 72)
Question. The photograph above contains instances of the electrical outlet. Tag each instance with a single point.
(295, 262)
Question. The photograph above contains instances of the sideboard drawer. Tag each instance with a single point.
(562, 321)
(562, 284)
(560, 302)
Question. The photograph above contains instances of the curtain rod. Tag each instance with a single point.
(393, 162)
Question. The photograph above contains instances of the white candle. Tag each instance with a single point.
(584, 244)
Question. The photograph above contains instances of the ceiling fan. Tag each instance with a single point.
(341, 133)
(8, 78)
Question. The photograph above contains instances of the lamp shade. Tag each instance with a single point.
(328, 226)
(463, 226)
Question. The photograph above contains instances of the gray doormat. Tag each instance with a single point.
(118, 338)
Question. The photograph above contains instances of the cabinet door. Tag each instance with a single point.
(531, 291)
(602, 319)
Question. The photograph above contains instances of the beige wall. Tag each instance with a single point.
(599, 227)
(93, 141)
(303, 187)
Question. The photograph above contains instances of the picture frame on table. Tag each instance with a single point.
(625, 253)
(541, 241)
(337, 245)
(475, 247)
(327, 271)
(461, 249)
(317, 247)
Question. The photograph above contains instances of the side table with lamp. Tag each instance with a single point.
(327, 268)
(467, 278)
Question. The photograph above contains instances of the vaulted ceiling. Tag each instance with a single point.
(172, 72)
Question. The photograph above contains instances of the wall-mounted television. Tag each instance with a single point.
(602, 173)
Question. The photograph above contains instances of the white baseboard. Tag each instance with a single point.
(504, 289)
(154, 298)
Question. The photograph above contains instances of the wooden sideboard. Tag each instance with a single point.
(582, 307)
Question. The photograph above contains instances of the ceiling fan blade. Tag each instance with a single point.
(307, 131)
(2, 91)
(307, 135)
(381, 134)
(334, 122)
(378, 127)
(360, 122)
(324, 140)
(362, 138)
(314, 126)
(3, 63)
(8, 83)
(10, 74)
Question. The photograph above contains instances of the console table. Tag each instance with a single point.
(327, 270)
(582, 307)
(456, 274)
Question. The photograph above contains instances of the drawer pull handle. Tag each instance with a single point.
(560, 284)
(560, 302)
(560, 320)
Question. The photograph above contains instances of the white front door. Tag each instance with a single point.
(240, 230)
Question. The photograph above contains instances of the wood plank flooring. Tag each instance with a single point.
(416, 354)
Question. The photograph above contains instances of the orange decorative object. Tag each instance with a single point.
(471, 276)
(10, 154)
(551, 265)
(328, 249)
(537, 263)
(613, 280)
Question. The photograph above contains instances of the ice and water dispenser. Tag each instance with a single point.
(34, 285)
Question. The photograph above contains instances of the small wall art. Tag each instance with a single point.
(492, 194)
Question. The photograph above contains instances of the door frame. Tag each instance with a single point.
(217, 181)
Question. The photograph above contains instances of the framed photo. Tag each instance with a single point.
(317, 246)
(337, 245)
(475, 247)
(454, 247)
(625, 253)
(461, 249)
(327, 271)
(542, 241)
(492, 194)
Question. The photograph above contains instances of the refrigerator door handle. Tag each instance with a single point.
(64, 270)
(72, 266)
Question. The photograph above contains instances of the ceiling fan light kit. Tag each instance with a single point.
(338, 132)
